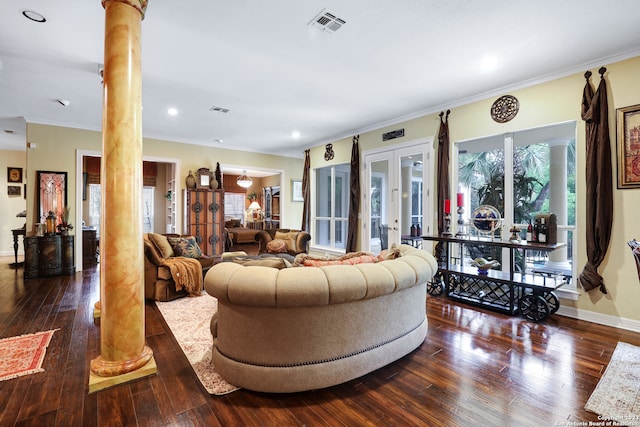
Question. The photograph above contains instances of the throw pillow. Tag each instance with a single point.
(391, 253)
(276, 246)
(274, 262)
(289, 238)
(162, 244)
(351, 258)
(186, 247)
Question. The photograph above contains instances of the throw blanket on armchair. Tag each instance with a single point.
(186, 272)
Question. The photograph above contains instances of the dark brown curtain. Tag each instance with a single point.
(306, 192)
(443, 176)
(599, 196)
(354, 196)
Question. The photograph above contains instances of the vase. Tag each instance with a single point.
(190, 182)
(213, 184)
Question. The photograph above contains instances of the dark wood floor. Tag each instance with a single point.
(476, 368)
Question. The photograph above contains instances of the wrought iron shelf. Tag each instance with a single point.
(509, 292)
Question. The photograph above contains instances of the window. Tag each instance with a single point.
(234, 205)
(147, 209)
(524, 174)
(95, 205)
(331, 215)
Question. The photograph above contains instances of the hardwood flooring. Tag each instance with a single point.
(476, 368)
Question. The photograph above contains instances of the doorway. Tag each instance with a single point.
(396, 197)
(161, 203)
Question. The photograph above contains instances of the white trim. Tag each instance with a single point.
(601, 319)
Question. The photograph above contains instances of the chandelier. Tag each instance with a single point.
(244, 181)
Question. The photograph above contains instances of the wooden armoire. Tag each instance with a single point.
(205, 219)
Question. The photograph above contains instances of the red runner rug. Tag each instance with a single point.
(23, 355)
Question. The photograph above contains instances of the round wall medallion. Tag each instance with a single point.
(505, 108)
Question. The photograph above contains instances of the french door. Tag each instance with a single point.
(396, 197)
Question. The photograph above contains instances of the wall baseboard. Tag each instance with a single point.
(11, 254)
(601, 319)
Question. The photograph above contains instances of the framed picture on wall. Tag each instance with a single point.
(14, 174)
(296, 191)
(628, 144)
(14, 190)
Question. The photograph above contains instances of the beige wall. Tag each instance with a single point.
(56, 149)
(10, 206)
(543, 104)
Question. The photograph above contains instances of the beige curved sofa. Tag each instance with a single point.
(305, 328)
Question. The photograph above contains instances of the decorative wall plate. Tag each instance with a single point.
(505, 108)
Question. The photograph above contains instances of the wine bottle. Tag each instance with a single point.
(536, 230)
(542, 234)
(530, 232)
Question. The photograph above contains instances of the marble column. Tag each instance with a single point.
(122, 338)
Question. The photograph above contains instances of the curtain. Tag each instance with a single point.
(306, 192)
(354, 196)
(443, 176)
(599, 198)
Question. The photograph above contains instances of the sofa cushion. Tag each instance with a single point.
(289, 238)
(185, 246)
(162, 244)
(277, 246)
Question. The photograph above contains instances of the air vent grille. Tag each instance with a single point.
(219, 109)
(327, 21)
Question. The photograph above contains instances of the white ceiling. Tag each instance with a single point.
(276, 74)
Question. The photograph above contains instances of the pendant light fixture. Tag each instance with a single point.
(244, 181)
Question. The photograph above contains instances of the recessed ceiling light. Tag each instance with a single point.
(295, 134)
(172, 111)
(489, 63)
(34, 16)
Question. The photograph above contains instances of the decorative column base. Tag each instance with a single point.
(119, 372)
(97, 383)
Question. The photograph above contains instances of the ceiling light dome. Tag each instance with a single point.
(244, 181)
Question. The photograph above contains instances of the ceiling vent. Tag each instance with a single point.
(219, 109)
(327, 21)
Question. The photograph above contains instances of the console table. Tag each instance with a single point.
(49, 255)
(511, 291)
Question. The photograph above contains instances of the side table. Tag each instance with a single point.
(17, 232)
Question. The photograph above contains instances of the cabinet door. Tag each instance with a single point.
(50, 256)
(67, 252)
(205, 219)
(30, 257)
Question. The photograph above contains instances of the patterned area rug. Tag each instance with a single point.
(189, 320)
(617, 395)
(23, 355)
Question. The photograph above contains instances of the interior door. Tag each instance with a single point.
(396, 197)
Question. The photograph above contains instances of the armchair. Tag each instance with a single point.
(159, 283)
(296, 241)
